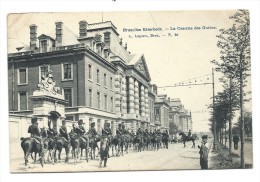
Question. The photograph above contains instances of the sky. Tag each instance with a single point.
(180, 54)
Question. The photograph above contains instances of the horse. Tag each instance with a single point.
(104, 148)
(30, 145)
(165, 140)
(138, 143)
(47, 139)
(93, 144)
(117, 142)
(59, 144)
(186, 139)
(155, 142)
(128, 139)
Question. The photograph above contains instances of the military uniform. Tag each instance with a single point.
(34, 131)
(80, 130)
(204, 150)
(189, 135)
(64, 132)
(92, 130)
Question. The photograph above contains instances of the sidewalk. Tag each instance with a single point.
(220, 158)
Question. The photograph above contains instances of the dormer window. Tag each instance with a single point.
(46, 43)
(43, 45)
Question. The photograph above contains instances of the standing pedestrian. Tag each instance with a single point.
(204, 150)
(235, 140)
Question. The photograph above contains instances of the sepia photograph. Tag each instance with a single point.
(129, 91)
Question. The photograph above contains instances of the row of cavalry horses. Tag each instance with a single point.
(87, 145)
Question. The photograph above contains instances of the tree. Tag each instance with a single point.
(234, 45)
(173, 129)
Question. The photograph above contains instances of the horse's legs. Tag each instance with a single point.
(35, 153)
(67, 149)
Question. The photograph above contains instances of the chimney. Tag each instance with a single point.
(83, 29)
(33, 37)
(107, 42)
(107, 39)
(59, 33)
(125, 46)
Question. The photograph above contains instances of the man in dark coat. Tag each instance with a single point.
(204, 150)
(235, 140)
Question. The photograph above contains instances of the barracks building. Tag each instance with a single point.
(99, 78)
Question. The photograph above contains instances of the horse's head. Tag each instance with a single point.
(181, 133)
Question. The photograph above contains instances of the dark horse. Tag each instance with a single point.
(104, 148)
(78, 143)
(30, 145)
(59, 144)
(187, 138)
(93, 144)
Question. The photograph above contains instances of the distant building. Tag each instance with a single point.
(161, 109)
(179, 115)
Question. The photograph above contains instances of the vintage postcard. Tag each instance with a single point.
(129, 91)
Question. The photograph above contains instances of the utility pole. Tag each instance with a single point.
(214, 122)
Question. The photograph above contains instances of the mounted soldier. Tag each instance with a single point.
(51, 133)
(139, 133)
(151, 133)
(80, 130)
(64, 132)
(34, 131)
(92, 131)
(119, 131)
(189, 135)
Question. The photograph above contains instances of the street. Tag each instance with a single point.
(174, 158)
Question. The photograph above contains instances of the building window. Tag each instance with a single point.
(22, 76)
(90, 97)
(70, 118)
(111, 82)
(68, 96)
(43, 71)
(112, 104)
(98, 100)
(157, 111)
(98, 79)
(90, 71)
(22, 101)
(105, 97)
(67, 71)
(43, 44)
(105, 79)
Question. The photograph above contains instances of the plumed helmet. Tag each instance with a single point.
(119, 125)
(63, 121)
(80, 121)
(34, 119)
